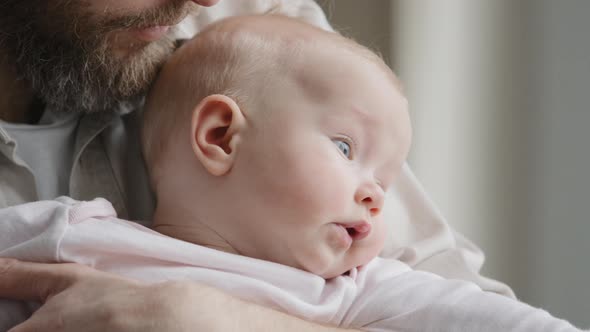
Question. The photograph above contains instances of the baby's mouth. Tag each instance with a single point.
(357, 230)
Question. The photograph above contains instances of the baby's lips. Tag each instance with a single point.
(365, 227)
(357, 230)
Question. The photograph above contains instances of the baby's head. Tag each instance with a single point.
(279, 138)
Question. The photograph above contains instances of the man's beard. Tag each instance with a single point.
(67, 56)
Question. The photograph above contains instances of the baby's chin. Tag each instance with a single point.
(340, 268)
(340, 271)
(329, 262)
(337, 273)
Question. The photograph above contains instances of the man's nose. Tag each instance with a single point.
(370, 195)
(206, 3)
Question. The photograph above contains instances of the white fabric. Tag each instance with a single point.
(307, 10)
(421, 237)
(385, 295)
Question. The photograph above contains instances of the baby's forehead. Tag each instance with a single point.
(354, 84)
(332, 69)
(254, 54)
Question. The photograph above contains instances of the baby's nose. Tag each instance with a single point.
(370, 195)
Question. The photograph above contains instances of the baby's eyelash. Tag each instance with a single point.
(351, 143)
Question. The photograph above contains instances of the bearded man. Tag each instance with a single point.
(72, 74)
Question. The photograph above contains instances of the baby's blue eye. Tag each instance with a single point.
(344, 147)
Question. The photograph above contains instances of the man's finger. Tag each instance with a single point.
(36, 324)
(24, 327)
(34, 281)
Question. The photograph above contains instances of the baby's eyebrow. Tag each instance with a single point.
(361, 114)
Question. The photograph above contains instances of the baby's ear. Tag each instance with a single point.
(216, 124)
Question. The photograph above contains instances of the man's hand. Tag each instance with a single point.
(78, 298)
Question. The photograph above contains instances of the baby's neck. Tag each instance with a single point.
(181, 223)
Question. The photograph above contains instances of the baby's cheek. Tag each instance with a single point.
(319, 190)
(380, 230)
(333, 186)
(316, 254)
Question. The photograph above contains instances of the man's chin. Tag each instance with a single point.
(86, 66)
(138, 66)
(115, 76)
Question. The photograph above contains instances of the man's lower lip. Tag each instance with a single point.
(152, 33)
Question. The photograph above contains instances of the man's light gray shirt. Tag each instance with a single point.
(106, 162)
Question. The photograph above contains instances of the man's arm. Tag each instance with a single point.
(79, 298)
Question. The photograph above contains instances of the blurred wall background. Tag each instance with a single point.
(499, 96)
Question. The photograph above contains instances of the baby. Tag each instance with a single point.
(302, 131)
(271, 145)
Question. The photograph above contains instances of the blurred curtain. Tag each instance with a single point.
(498, 94)
(459, 61)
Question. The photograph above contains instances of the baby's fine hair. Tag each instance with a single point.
(239, 57)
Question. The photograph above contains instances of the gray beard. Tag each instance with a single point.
(69, 73)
